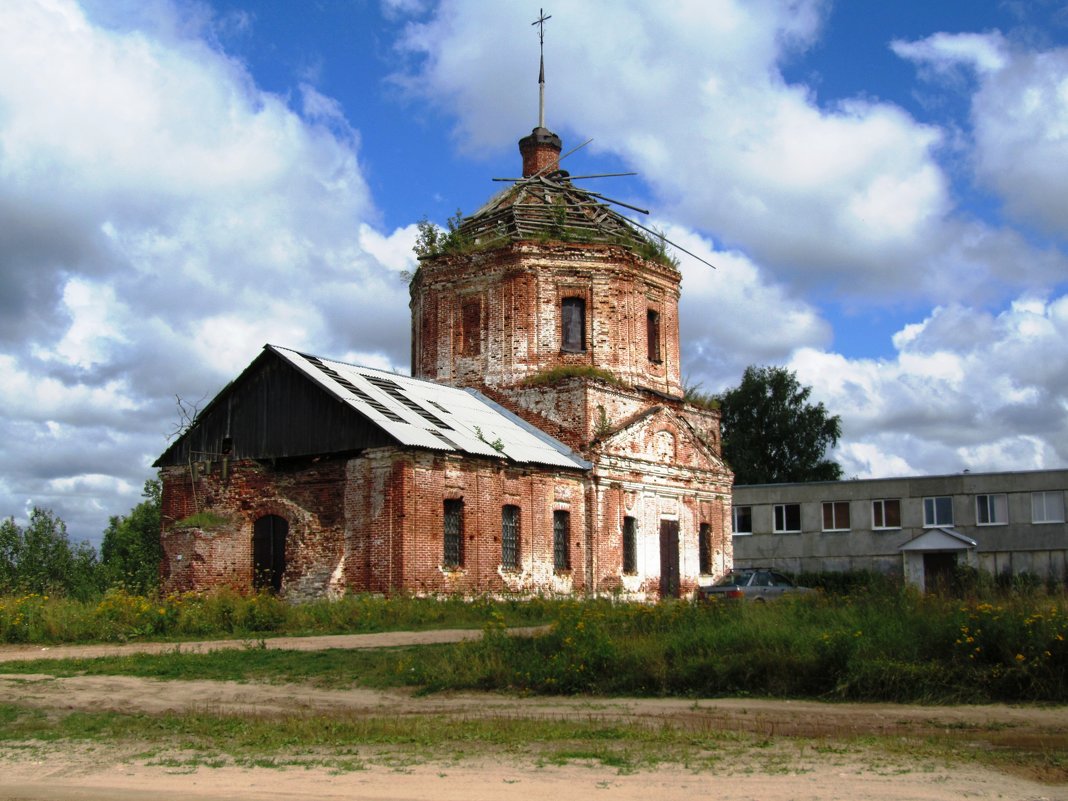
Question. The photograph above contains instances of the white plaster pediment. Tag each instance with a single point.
(660, 436)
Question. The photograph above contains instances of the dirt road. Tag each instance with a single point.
(801, 750)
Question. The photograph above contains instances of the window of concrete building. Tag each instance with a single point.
(704, 548)
(991, 510)
(836, 515)
(561, 540)
(573, 325)
(652, 334)
(938, 511)
(1047, 507)
(886, 513)
(471, 327)
(630, 545)
(454, 533)
(742, 519)
(787, 518)
(510, 537)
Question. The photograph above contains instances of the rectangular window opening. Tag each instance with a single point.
(991, 510)
(630, 546)
(886, 513)
(836, 516)
(787, 518)
(742, 519)
(510, 537)
(471, 328)
(938, 511)
(704, 548)
(1047, 507)
(573, 325)
(652, 328)
(454, 533)
(561, 540)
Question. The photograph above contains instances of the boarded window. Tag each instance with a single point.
(561, 540)
(704, 547)
(471, 333)
(454, 533)
(630, 545)
(652, 334)
(573, 325)
(510, 537)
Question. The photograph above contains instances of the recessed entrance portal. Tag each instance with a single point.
(938, 571)
(669, 558)
(269, 552)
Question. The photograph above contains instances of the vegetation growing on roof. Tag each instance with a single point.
(654, 248)
(555, 375)
(205, 520)
(695, 396)
(541, 210)
(433, 241)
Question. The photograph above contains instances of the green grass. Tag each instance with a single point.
(120, 617)
(330, 669)
(340, 740)
(348, 742)
(890, 646)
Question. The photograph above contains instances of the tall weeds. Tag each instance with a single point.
(888, 645)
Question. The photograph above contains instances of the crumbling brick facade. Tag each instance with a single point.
(576, 332)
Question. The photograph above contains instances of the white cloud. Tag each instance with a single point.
(848, 198)
(716, 311)
(966, 389)
(944, 52)
(1019, 117)
(161, 218)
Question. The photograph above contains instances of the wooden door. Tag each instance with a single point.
(669, 558)
(269, 552)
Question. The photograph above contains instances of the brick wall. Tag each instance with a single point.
(520, 288)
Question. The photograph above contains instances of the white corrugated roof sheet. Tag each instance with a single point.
(423, 414)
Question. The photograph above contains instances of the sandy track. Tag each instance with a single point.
(781, 769)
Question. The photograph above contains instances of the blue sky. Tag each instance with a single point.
(880, 185)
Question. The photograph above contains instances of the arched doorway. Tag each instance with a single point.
(269, 552)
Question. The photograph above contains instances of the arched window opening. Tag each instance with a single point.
(269, 552)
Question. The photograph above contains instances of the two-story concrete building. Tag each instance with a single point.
(921, 526)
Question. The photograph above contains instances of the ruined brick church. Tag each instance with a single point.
(542, 444)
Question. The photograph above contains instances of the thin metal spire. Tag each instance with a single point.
(540, 22)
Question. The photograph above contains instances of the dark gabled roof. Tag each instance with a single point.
(550, 207)
(297, 413)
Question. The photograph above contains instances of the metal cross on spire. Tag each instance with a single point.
(540, 22)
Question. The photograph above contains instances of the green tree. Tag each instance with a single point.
(772, 434)
(130, 553)
(40, 558)
(10, 540)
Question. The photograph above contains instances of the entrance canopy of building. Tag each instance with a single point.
(938, 540)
